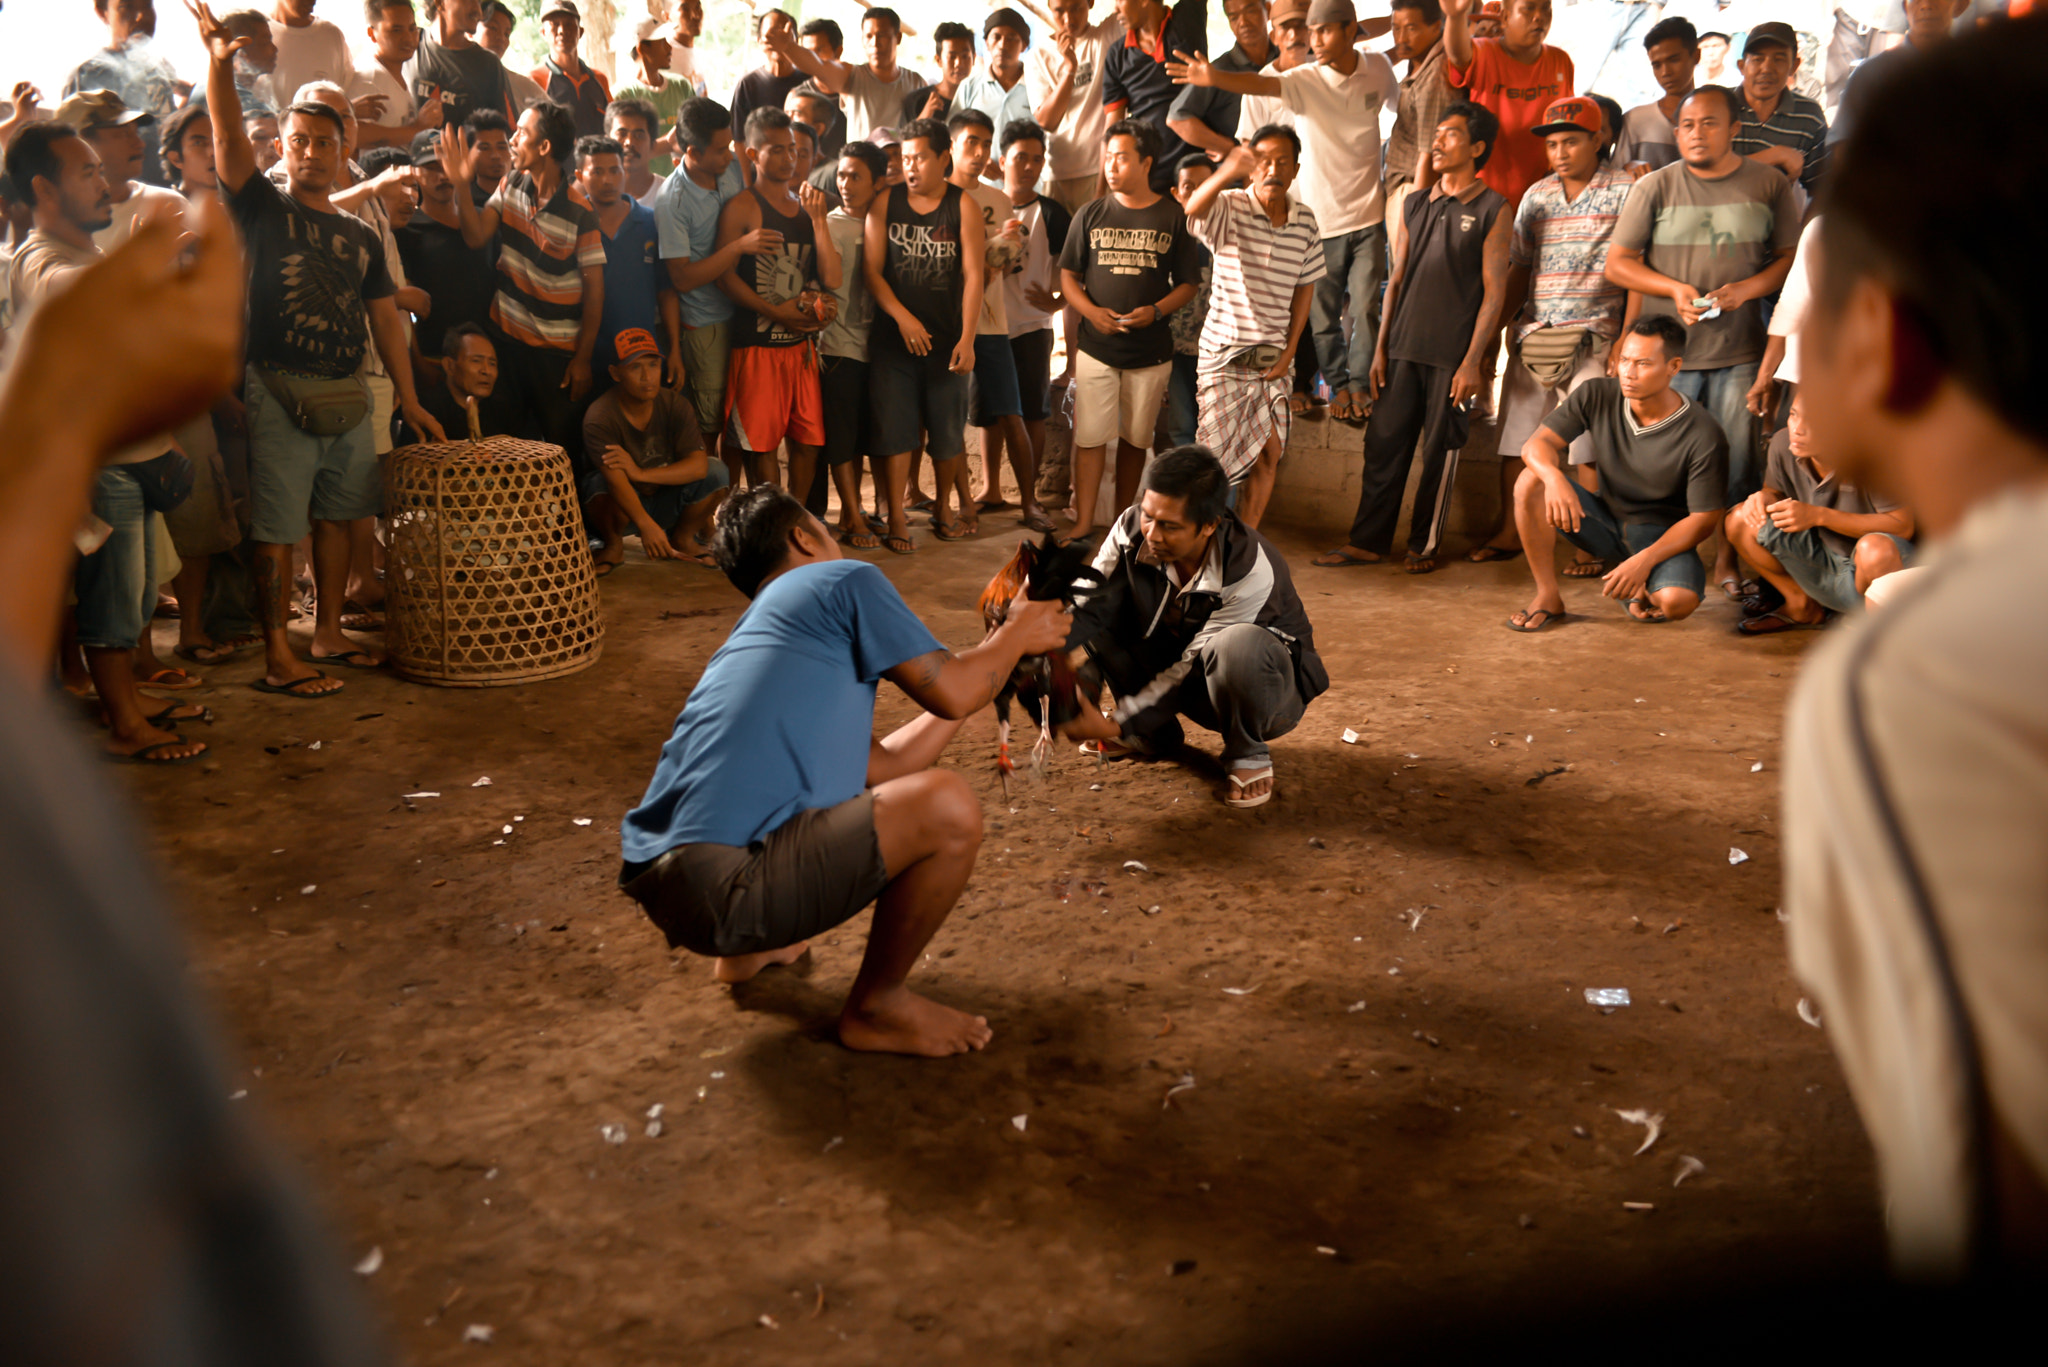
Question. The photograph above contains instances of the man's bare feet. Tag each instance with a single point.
(901, 1022)
(737, 968)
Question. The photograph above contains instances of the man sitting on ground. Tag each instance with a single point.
(1815, 538)
(1662, 461)
(469, 370)
(648, 467)
(1197, 616)
(776, 813)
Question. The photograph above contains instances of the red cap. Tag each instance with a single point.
(1573, 112)
(635, 342)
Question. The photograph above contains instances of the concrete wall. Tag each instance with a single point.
(1317, 491)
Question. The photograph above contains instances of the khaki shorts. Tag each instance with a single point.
(707, 351)
(1070, 194)
(815, 871)
(1524, 403)
(1109, 402)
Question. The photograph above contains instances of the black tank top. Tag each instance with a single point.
(1445, 281)
(923, 268)
(777, 277)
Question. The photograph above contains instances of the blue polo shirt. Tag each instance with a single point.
(782, 719)
(633, 276)
(687, 216)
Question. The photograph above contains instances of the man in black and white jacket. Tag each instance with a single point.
(1196, 617)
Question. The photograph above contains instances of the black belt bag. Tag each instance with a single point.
(166, 481)
(322, 408)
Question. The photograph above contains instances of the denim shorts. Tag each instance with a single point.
(666, 503)
(993, 395)
(1828, 576)
(1602, 535)
(116, 584)
(296, 477)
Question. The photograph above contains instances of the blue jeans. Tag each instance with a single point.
(1181, 409)
(116, 584)
(1356, 264)
(1601, 534)
(1827, 576)
(1724, 393)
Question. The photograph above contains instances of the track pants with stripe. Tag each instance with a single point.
(1414, 405)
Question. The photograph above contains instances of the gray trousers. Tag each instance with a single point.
(1242, 687)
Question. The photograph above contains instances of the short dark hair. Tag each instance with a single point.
(557, 130)
(963, 117)
(697, 119)
(487, 120)
(870, 156)
(1675, 26)
(826, 29)
(761, 19)
(454, 337)
(183, 117)
(1193, 475)
(633, 107)
(751, 540)
(1615, 118)
(1719, 92)
(373, 10)
(378, 160)
(935, 134)
(1970, 284)
(1193, 161)
(951, 32)
(598, 145)
(798, 126)
(1006, 18)
(1480, 126)
(1432, 12)
(315, 109)
(1278, 130)
(1141, 131)
(885, 15)
(1665, 329)
(492, 9)
(34, 153)
(765, 119)
(1023, 130)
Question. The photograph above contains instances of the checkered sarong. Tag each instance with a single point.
(1239, 410)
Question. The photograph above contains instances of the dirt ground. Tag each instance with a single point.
(1322, 1074)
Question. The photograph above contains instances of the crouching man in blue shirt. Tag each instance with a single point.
(776, 814)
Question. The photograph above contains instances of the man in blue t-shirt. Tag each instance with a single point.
(776, 813)
(637, 293)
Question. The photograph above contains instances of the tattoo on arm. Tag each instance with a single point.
(926, 669)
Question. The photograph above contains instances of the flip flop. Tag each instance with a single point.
(240, 645)
(993, 505)
(1487, 555)
(1771, 623)
(165, 720)
(1529, 622)
(291, 690)
(1337, 559)
(950, 531)
(876, 524)
(605, 567)
(1648, 607)
(1419, 564)
(346, 659)
(1744, 588)
(1585, 569)
(204, 655)
(142, 756)
(1235, 798)
(859, 541)
(186, 678)
(1037, 522)
(362, 621)
(900, 545)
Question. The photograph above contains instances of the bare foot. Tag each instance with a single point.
(737, 968)
(901, 1022)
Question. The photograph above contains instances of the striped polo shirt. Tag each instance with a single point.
(1254, 273)
(1797, 123)
(543, 251)
(1563, 244)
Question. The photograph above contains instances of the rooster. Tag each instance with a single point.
(1049, 686)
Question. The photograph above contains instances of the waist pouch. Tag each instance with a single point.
(1259, 358)
(166, 481)
(323, 408)
(1552, 354)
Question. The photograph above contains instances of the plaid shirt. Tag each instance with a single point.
(1425, 95)
(1797, 123)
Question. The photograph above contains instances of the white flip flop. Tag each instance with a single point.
(1238, 784)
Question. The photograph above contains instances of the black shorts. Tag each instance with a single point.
(1033, 355)
(816, 870)
(843, 384)
(917, 396)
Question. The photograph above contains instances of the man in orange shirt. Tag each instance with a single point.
(1516, 77)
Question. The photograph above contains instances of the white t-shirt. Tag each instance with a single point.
(1039, 268)
(316, 52)
(399, 106)
(43, 266)
(871, 102)
(847, 334)
(142, 195)
(686, 66)
(1339, 117)
(1790, 314)
(1002, 257)
(525, 91)
(1077, 139)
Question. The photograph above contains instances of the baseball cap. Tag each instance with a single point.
(1768, 33)
(1573, 113)
(645, 27)
(884, 137)
(561, 8)
(1289, 11)
(90, 109)
(1332, 12)
(634, 342)
(426, 147)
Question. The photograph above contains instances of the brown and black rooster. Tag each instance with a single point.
(1050, 687)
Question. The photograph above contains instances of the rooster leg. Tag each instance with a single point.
(1044, 743)
(1003, 765)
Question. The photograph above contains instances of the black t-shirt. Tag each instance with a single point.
(923, 268)
(757, 89)
(310, 274)
(497, 415)
(1656, 474)
(467, 79)
(1444, 282)
(459, 279)
(777, 277)
(1135, 77)
(913, 106)
(1127, 258)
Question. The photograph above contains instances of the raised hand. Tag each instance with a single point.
(221, 46)
(1189, 68)
(813, 200)
(458, 157)
(431, 115)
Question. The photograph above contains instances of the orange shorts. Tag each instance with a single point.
(771, 394)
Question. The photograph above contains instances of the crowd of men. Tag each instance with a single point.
(852, 263)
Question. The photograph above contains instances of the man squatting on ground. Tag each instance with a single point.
(776, 814)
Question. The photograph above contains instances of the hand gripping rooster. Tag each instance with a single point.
(1050, 687)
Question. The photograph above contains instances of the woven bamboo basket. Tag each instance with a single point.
(488, 576)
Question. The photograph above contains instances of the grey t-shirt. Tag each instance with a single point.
(1660, 473)
(1797, 480)
(1710, 233)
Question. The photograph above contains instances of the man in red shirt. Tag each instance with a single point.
(1515, 76)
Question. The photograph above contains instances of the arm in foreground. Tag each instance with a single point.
(957, 686)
